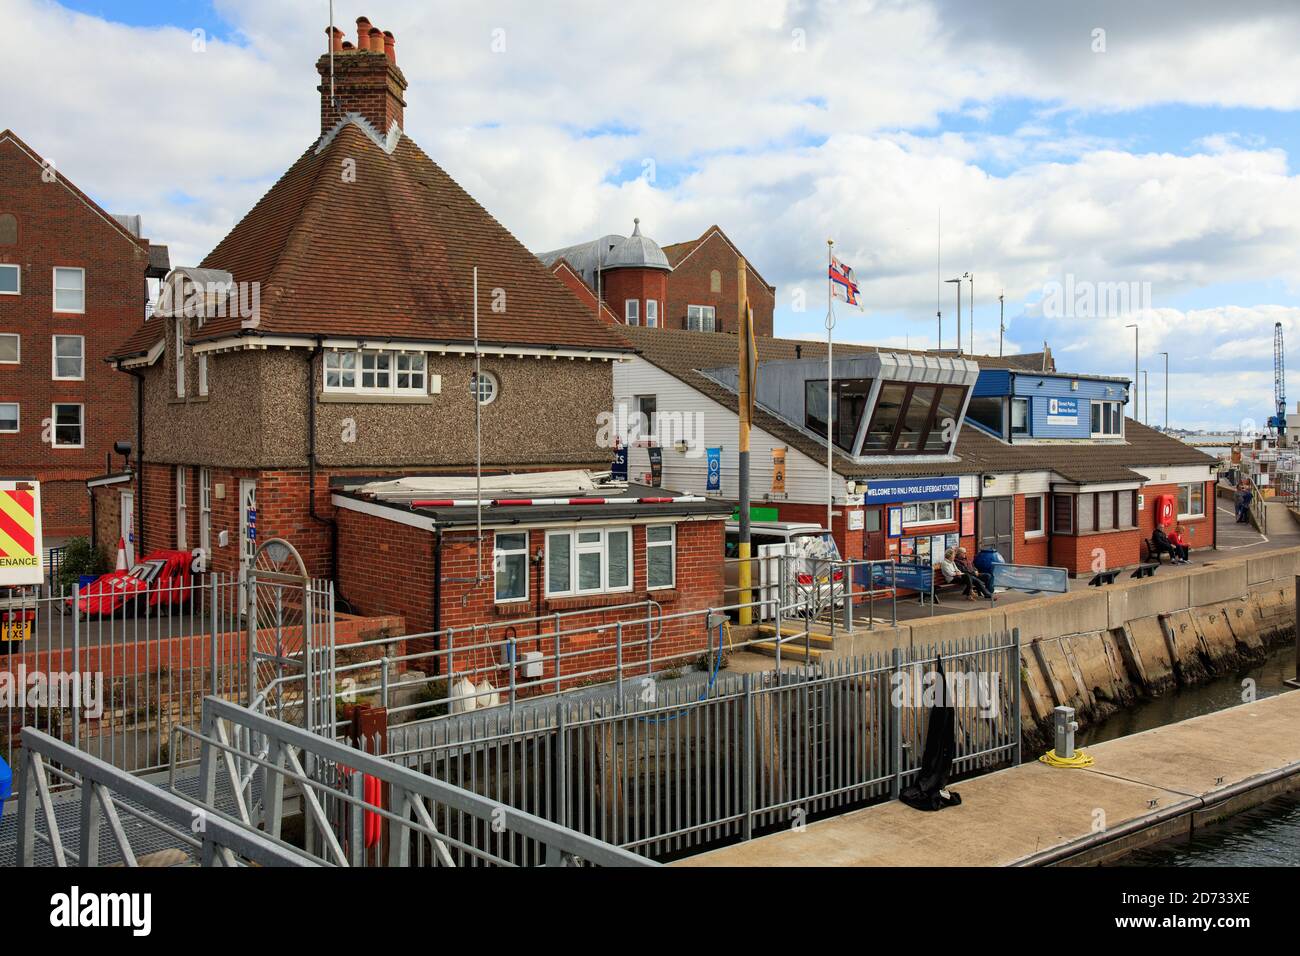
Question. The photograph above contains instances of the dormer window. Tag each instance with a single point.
(850, 400)
(914, 419)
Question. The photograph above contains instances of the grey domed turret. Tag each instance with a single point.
(637, 252)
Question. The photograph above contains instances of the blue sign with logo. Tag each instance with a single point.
(618, 469)
(1028, 577)
(715, 469)
(1062, 411)
(911, 489)
(913, 577)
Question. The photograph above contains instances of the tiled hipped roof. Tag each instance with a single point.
(682, 354)
(386, 248)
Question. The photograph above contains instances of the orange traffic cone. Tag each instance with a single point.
(121, 555)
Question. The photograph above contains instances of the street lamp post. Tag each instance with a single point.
(971, 277)
(1002, 321)
(958, 282)
(1146, 398)
(1166, 355)
(1134, 327)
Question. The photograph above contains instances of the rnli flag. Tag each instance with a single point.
(844, 285)
(20, 533)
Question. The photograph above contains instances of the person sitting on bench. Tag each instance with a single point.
(983, 583)
(1179, 540)
(1161, 544)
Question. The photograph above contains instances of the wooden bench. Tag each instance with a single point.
(941, 585)
(1153, 555)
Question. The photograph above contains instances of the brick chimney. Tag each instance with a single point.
(366, 79)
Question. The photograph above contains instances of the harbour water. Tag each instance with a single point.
(1268, 835)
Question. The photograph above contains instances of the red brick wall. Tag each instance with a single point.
(619, 285)
(57, 228)
(1029, 550)
(1200, 530)
(691, 284)
(387, 568)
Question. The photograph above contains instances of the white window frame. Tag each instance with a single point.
(632, 311)
(695, 316)
(201, 361)
(54, 424)
(205, 512)
(182, 510)
(178, 346)
(18, 350)
(498, 552)
(18, 271)
(652, 313)
(54, 359)
(1011, 416)
(386, 362)
(1107, 409)
(476, 387)
(918, 522)
(1042, 515)
(671, 545)
(18, 419)
(1190, 486)
(54, 292)
(577, 548)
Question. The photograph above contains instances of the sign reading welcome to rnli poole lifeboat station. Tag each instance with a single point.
(20, 533)
(912, 489)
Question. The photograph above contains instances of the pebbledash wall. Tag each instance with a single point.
(253, 424)
(388, 568)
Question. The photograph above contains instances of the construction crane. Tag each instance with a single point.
(1278, 421)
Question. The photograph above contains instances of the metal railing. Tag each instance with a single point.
(363, 810)
(686, 767)
(111, 675)
(102, 796)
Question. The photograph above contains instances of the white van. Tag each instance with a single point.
(772, 540)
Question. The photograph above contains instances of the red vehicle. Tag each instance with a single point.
(160, 579)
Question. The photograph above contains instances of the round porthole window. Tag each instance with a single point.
(484, 387)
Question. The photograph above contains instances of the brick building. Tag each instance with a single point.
(913, 473)
(331, 334)
(688, 285)
(73, 286)
(594, 560)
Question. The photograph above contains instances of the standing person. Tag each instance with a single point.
(983, 583)
(1243, 514)
(1182, 547)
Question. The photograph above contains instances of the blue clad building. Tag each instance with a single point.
(1016, 405)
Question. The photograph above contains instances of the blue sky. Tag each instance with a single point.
(1164, 159)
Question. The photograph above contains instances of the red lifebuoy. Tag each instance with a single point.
(372, 789)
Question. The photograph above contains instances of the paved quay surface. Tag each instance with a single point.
(1014, 814)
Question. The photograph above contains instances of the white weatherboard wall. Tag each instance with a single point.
(805, 479)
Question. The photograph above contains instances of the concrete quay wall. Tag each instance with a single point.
(1102, 649)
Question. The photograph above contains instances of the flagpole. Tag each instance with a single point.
(830, 385)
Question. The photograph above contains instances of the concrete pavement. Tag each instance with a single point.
(1142, 788)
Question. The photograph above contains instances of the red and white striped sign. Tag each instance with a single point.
(20, 533)
(527, 502)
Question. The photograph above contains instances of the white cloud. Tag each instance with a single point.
(784, 122)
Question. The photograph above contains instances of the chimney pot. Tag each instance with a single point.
(336, 38)
(390, 46)
(376, 40)
(347, 45)
(363, 33)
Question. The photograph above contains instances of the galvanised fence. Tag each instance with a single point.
(113, 670)
(676, 769)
